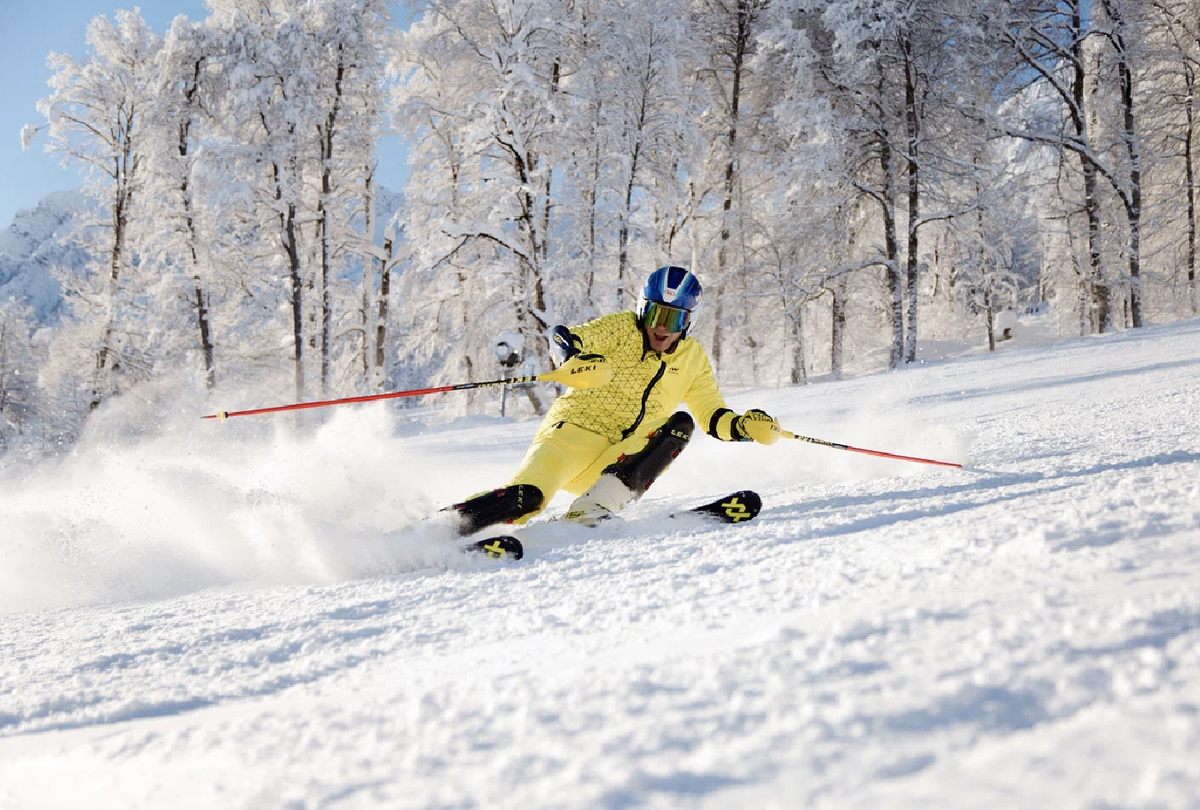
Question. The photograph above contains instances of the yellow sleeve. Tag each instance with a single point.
(707, 405)
(603, 334)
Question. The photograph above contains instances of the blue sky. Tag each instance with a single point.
(29, 31)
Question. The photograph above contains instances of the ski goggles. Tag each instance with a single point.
(656, 314)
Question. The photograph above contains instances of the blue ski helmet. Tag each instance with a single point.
(669, 297)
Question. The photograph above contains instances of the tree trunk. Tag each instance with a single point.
(1133, 201)
(385, 289)
(202, 321)
(1085, 306)
(985, 264)
(591, 191)
(838, 320)
(592, 196)
(799, 370)
(293, 254)
(1190, 172)
(367, 287)
(530, 316)
(548, 186)
(623, 236)
(324, 204)
(627, 211)
(892, 253)
(326, 313)
(990, 313)
(120, 226)
(124, 168)
(1095, 283)
(538, 341)
(741, 44)
(913, 122)
(206, 346)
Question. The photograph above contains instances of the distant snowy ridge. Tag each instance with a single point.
(38, 240)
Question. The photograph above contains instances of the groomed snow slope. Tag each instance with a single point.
(230, 617)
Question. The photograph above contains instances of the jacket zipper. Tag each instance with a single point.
(662, 369)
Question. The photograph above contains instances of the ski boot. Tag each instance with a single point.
(506, 505)
(628, 478)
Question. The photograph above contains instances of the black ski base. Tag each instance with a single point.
(736, 507)
(498, 548)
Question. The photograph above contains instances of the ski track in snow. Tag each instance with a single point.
(232, 616)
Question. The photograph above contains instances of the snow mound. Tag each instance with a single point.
(204, 505)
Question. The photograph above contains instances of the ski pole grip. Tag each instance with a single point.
(581, 371)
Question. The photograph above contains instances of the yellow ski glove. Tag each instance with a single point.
(756, 425)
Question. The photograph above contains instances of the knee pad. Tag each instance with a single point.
(641, 469)
(505, 505)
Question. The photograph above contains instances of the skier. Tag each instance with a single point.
(607, 445)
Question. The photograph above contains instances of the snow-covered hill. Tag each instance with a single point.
(36, 242)
(230, 616)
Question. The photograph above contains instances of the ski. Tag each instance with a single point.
(497, 548)
(736, 507)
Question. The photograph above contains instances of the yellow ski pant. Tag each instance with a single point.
(567, 457)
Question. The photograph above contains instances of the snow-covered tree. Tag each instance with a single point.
(737, 105)
(1084, 54)
(18, 374)
(1172, 38)
(176, 125)
(348, 48)
(847, 177)
(508, 56)
(94, 118)
(648, 102)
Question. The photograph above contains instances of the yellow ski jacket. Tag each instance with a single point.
(646, 385)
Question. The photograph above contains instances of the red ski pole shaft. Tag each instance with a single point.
(581, 371)
(789, 435)
(416, 392)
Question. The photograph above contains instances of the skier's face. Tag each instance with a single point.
(664, 324)
(660, 339)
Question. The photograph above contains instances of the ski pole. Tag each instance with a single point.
(787, 434)
(581, 371)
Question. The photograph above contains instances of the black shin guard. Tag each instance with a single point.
(498, 506)
(641, 469)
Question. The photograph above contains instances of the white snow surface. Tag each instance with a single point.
(234, 615)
